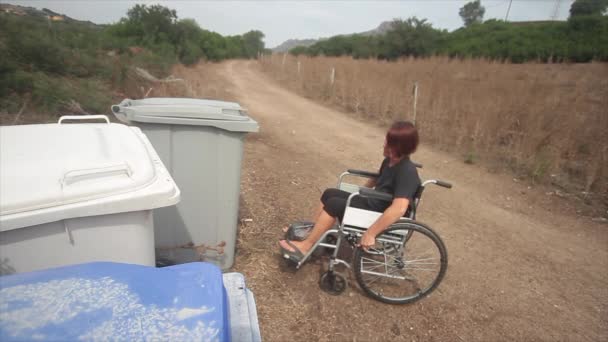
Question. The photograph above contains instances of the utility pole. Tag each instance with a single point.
(508, 10)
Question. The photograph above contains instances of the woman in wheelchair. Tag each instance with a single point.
(397, 176)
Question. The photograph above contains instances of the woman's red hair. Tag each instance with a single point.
(401, 139)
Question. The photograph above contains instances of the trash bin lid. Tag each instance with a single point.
(113, 301)
(184, 111)
(57, 171)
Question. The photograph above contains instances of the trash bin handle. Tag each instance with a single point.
(83, 117)
(76, 175)
(120, 112)
(119, 107)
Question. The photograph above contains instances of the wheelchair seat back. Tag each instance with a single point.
(409, 213)
(359, 220)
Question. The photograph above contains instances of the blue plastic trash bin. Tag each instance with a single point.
(113, 301)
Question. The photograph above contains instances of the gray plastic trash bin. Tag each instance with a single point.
(201, 143)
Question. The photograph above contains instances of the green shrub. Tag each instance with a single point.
(37, 53)
(158, 65)
(10, 104)
(93, 95)
(49, 93)
(190, 53)
(22, 82)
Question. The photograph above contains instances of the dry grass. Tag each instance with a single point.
(204, 80)
(200, 81)
(546, 121)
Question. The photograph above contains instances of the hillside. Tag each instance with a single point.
(50, 63)
(383, 28)
(44, 13)
(53, 64)
(292, 43)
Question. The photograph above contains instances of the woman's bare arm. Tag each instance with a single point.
(371, 182)
(393, 213)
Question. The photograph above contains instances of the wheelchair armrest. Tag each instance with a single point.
(371, 193)
(363, 173)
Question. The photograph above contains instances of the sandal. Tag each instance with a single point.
(298, 231)
(296, 255)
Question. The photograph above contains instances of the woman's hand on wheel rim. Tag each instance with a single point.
(367, 241)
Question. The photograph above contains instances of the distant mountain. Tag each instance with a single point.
(291, 43)
(43, 13)
(384, 27)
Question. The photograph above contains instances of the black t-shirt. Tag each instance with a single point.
(399, 180)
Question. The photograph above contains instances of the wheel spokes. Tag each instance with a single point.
(399, 270)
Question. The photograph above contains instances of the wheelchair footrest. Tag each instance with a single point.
(291, 258)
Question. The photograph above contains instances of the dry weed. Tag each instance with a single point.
(547, 121)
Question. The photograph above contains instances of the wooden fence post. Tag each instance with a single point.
(415, 92)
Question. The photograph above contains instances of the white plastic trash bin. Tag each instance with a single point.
(73, 193)
(201, 142)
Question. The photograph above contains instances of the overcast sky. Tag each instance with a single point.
(282, 20)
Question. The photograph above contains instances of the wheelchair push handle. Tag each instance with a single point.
(443, 184)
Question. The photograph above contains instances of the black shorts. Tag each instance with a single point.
(334, 202)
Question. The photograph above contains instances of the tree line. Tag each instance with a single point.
(582, 38)
(157, 28)
(31, 43)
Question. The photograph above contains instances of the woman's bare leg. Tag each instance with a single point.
(318, 212)
(324, 223)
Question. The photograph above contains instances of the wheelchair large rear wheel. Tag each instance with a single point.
(407, 263)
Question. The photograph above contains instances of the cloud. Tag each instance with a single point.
(282, 20)
(95, 310)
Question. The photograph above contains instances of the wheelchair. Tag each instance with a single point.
(408, 261)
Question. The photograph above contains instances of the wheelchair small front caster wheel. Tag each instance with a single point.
(333, 283)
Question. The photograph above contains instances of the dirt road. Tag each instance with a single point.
(522, 265)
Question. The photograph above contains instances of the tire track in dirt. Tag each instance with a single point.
(518, 269)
